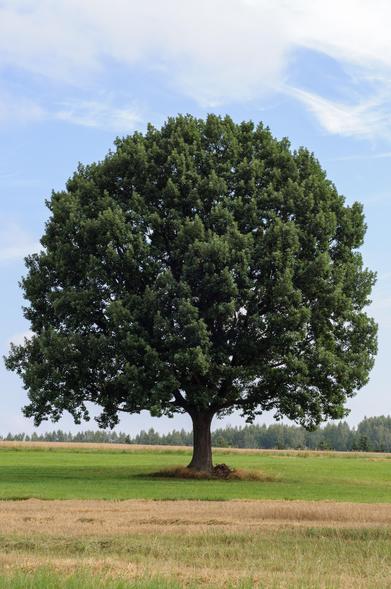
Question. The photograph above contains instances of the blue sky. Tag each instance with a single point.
(74, 75)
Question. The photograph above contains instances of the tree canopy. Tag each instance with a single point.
(202, 267)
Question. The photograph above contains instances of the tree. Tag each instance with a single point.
(203, 267)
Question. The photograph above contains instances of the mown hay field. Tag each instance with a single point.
(194, 544)
(94, 517)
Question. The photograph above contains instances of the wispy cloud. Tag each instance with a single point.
(87, 113)
(15, 242)
(381, 311)
(97, 114)
(368, 118)
(18, 108)
(362, 156)
(19, 338)
(215, 51)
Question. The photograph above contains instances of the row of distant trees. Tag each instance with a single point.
(371, 434)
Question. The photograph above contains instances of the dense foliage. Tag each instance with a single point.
(201, 268)
(372, 434)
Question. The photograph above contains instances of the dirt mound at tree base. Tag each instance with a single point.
(222, 471)
(219, 472)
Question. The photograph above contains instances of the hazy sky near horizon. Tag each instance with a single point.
(75, 74)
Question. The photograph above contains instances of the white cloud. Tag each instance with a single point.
(212, 49)
(15, 242)
(19, 338)
(381, 311)
(88, 113)
(353, 31)
(96, 114)
(18, 108)
(363, 156)
(47, 37)
(215, 51)
(368, 118)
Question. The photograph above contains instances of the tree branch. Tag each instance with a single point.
(180, 399)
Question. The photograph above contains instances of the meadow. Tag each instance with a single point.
(88, 471)
(94, 517)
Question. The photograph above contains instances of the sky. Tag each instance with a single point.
(74, 74)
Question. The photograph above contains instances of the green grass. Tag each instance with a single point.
(47, 579)
(97, 474)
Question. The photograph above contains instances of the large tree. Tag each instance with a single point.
(203, 267)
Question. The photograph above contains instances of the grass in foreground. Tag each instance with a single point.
(69, 472)
(49, 579)
(146, 545)
(46, 578)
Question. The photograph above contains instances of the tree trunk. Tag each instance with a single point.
(202, 441)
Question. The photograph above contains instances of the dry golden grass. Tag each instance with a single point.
(237, 474)
(277, 543)
(243, 474)
(376, 456)
(102, 518)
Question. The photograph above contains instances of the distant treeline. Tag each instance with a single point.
(371, 434)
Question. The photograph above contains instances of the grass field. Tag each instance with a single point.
(187, 543)
(324, 520)
(78, 472)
